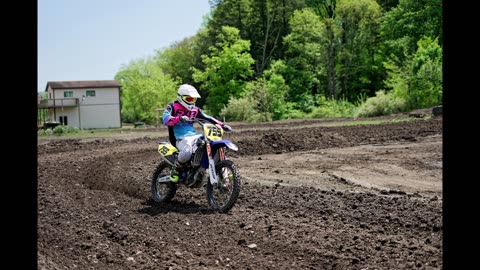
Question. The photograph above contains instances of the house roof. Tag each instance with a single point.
(83, 84)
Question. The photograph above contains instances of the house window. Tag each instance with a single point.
(68, 94)
(90, 93)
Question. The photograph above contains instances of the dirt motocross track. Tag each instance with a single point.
(314, 195)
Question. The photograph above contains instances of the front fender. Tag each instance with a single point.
(222, 143)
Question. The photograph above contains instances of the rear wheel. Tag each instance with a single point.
(162, 191)
(223, 195)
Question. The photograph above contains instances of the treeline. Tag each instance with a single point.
(264, 60)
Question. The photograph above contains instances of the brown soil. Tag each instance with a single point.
(314, 196)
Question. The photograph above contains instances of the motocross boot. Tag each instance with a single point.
(176, 171)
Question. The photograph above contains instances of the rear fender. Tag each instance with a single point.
(167, 151)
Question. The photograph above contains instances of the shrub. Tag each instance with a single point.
(71, 130)
(381, 104)
(332, 108)
(305, 103)
(260, 117)
(45, 132)
(241, 109)
(296, 114)
(59, 130)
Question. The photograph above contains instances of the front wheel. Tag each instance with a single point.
(223, 195)
(162, 191)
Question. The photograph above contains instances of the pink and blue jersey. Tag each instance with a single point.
(171, 118)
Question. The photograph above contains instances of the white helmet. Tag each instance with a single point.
(187, 95)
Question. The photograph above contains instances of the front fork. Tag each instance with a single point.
(221, 152)
(211, 166)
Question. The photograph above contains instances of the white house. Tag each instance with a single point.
(83, 104)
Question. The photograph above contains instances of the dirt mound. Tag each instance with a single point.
(303, 204)
(315, 138)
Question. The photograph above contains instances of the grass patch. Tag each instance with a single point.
(370, 122)
(85, 133)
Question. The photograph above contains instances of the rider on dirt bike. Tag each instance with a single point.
(182, 134)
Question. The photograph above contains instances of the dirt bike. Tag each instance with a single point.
(208, 167)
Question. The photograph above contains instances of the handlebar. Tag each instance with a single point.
(202, 122)
(196, 120)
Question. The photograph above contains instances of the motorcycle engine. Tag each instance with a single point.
(198, 178)
(199, 175)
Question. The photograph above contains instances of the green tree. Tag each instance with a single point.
(145, 89)
(263, 22)
(419, 81)
(267, 25)
(306, 55)
(323, 8)
(426, 85)
(407, 23)
(269, 93)
(226, 69)
(326, 10)
(277, 89)
(177, 60)
(387, 5)
(200, 46)
(359, 68)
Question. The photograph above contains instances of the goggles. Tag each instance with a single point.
(189, 99)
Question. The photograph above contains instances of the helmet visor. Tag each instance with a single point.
(189, 99)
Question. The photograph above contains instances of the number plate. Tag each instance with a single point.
(166, 149)
(214, 132)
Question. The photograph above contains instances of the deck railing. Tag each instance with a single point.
(57, 103)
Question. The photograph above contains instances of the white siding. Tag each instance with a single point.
(72, 116)
(100, 116)
(102, 96)
(102, 110)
